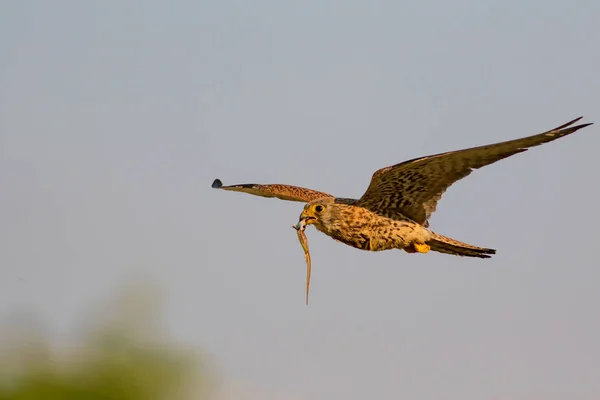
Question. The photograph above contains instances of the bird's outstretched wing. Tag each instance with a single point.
(413, 188)
(283, 192)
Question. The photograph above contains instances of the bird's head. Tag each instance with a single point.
(318, 212)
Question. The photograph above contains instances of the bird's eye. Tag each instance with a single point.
(318, 208)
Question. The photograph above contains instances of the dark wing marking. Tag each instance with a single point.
(413, 188)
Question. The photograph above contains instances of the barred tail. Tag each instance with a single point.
(447, 245)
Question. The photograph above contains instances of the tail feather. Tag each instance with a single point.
(443, 244)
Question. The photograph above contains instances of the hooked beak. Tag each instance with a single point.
(304, 220)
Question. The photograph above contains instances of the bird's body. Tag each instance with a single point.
(394, 211)
(358, 227)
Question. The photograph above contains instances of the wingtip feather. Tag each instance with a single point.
(571, 123)
(217, 184)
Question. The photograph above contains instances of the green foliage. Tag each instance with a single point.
(121, 360)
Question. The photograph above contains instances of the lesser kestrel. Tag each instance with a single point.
(394, 211)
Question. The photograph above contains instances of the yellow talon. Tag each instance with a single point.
(421, 247)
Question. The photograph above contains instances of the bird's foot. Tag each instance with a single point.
(421, 247)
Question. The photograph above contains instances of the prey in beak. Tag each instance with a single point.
(300, 227)
(309, 216)
(306, 218)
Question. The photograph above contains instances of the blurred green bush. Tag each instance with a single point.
(126, 356)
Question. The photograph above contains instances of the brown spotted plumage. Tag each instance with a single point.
(283, 192)
(394, 211)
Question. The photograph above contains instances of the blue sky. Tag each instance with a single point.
(115, 117)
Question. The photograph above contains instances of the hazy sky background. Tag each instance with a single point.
(115, 117)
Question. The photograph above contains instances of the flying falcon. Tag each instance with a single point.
(394, 211)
